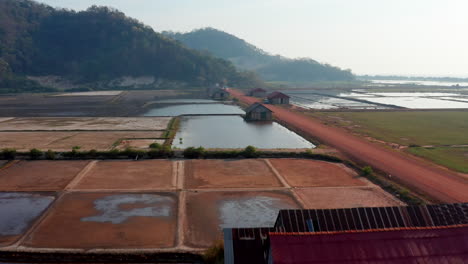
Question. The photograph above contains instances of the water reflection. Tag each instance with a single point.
(195, 109)
(234, 132)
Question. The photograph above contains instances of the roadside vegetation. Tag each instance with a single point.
(398, 191)
(433, 135)
(454, 158)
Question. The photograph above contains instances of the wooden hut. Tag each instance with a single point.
(258, 112)
(278, 98)
(258, 92)
(219, 94)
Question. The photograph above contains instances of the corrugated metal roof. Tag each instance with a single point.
(318, 220)
(255, 105)
(277, 95)
(417, 245)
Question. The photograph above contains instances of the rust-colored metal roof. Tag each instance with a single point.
(407, 245)
(277, 95)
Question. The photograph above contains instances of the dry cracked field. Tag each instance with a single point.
(162, 205)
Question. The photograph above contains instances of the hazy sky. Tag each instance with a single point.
(410, 37)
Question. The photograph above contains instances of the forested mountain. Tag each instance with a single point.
(99, 44)
(247, 56)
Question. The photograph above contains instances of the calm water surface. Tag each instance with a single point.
(234, 132)
(195, 109)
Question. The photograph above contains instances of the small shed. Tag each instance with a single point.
(258, 112)
(258, 92)
(220, 94)
(278, 98)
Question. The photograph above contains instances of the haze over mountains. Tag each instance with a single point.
(101, 44)
(98, 44)
(246, 56)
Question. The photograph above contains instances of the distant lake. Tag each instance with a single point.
(195, 109)
(234, 132)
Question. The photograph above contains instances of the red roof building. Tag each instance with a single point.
(410, 245)
(386, 231)
(278, 98)
(257, 92)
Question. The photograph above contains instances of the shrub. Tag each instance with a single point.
(194, 153)
(50, 155)
(9, 154)
(367, 171)
(93, 153)
(250, 152)
(155, 145)
(35, 154)
(214, 254)
(163, 152)
(133, 153)
(113, 153)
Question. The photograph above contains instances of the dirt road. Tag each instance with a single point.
(433, 181)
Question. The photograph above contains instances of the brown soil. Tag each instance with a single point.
(229, 174)
(310, 173)
(85, 123)
(440, 184)
(129, 175)
(324, 198)
(204, 216)
(64, 228)
(39, 175)
(65, 141)
(139, 143)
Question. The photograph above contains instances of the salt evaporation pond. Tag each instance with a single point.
(195, 109)
(418, 102)
(235, 132)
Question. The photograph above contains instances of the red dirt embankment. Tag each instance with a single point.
(435, 182)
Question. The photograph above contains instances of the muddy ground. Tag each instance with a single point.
(162, 205)
(127, 103)
(65, 141)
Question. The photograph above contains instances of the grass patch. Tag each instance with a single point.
(452, 158)
(171, 131)
(406, 127)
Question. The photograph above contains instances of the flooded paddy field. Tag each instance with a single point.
(108, 220)
(217, 210)
(195, 109)
(383, 99)
(18, 211)
(164, 205)
(235, 132)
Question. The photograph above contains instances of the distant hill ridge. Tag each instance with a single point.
(246, 56)
(99, 44)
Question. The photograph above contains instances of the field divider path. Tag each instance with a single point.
(9, 164)
(178, 174)
(280, 177)
(285, 183)
(80, 175)
(181, 213)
